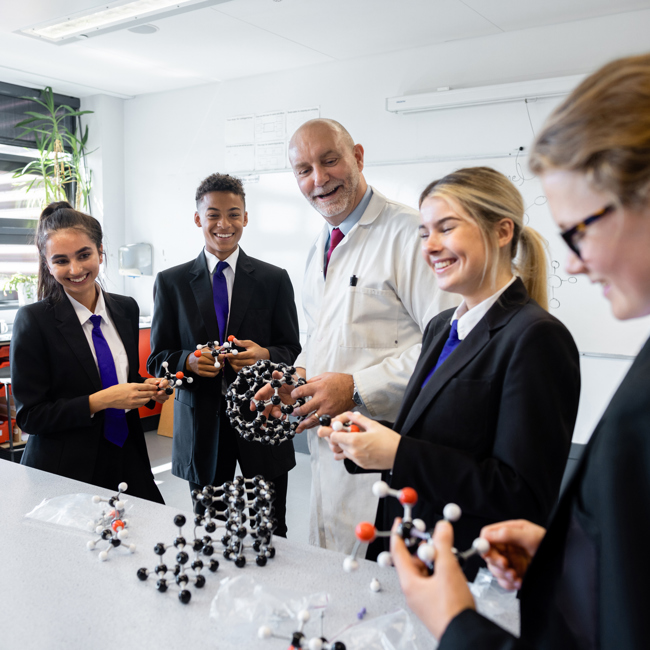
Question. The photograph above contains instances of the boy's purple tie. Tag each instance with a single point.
(116, 429)
(220, 298)
(450, 345)
(335, 240)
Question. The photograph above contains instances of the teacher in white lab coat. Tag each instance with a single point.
(367, 297)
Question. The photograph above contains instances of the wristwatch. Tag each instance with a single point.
(356, 397)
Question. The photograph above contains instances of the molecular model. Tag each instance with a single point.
(298, 638)
(111, 525)
(174, 379)
(254, 494)
(199, 546)
(215, 349)
(254, 425)
(412, 531)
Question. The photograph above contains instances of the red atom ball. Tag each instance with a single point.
(365, 532)
(408, 496)
(354, 428)
(117, 524)
(231, 338)
(180, 375)
(197, 353)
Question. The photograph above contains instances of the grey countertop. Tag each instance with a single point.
(58, 595)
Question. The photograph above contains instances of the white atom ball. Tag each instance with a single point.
(122, 487)
(315, 643)
(374, 585)
(264, 632)
(303, 615)
(90, 545)
(427, 553)
(350, 565)
(384, 559)
(122, 533)
(481, 546)
(337, 426)
(452, 512)
(103, 556)
(418, 524)
(96, 499)
(380, 489)
(132, 548)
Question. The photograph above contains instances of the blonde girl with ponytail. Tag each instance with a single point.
(488, 414)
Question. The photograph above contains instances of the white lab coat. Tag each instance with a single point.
(373, 331)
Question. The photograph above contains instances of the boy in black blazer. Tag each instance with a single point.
(261, 314)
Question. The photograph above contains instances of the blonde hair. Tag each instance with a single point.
(603, 130)
(487, 197)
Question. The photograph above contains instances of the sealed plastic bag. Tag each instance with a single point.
(496, 603)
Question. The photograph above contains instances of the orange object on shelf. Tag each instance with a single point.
(145, 351)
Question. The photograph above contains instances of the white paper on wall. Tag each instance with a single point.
(240, 129)
(269, 127)
(240, 157)
(270, 155)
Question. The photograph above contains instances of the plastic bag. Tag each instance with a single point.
(496, 603)
(241, 601)
(70, 510)
(392, 631)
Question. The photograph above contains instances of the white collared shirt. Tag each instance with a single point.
(108, 330)
(229, 272)
(469, 318)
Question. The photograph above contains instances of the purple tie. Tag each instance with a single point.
(450, 345)
(335, 240)
(220, 298)
(116, 429)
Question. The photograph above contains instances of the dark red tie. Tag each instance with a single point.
(335, 240)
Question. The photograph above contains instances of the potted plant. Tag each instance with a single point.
(60, 167)
(23, 285)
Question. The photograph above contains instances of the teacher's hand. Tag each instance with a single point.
(330, 392)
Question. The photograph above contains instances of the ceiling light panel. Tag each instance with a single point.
(110, 17)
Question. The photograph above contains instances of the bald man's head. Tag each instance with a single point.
(328, 165)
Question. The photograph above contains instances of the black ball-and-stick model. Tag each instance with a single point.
(298, 639)
(111, 526)
(237, 496)
(254, 425)
(215, 349)
(200, 546)
(174, 379)
(412, 531)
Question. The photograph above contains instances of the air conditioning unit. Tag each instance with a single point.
(445, 98)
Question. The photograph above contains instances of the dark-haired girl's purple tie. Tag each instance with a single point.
(220, 297)
(450, 345)
(116, 429)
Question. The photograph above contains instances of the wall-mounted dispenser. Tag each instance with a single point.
(136, 260)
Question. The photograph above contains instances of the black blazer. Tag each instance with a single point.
(53, 372)
(263, 310)
(587, 586)
(491, 431)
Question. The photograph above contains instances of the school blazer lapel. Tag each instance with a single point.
(124, 328)
(241, 292)
(202, 290)
(68, 324)
(497, 317)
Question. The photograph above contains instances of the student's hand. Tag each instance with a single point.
(203, 366)
(373, 447)
(331, 394)
(436, 600)
(122, 396)
(252, 354)
(161, 396)
(284, 392)
(513, 545)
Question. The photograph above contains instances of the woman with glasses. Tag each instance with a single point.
(584, 581)
(488, 414)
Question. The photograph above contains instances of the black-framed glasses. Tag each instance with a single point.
(573, 236)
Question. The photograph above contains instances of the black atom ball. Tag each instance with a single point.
(260, 560)
(199, 581)
(214, 565)
(159, 549)
(240, 561)
(208, 550)
(184, 596)
(161, 585)
(210, 527)
(179, 520)
(143, 574)
(325, 420)
(182, 557)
